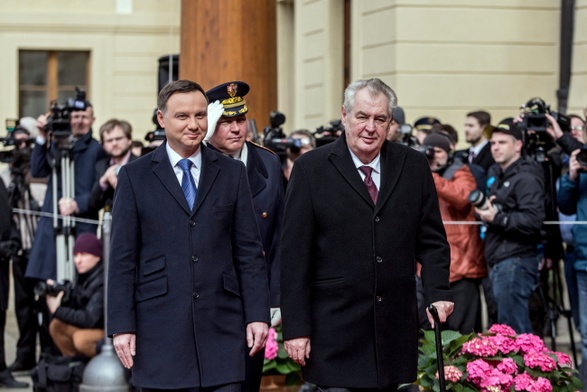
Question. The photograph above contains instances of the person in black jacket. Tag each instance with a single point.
(77, 323)
(513, 217)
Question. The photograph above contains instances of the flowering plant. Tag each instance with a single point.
(276, 359)
(499, 360)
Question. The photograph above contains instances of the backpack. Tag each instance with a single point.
(58, 374)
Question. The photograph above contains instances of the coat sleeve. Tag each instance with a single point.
(124, 255)
(296, 247)
(90, 316)
(40, 166)
(568, 195)
(432, 248)
(275, 250)
(456, 190)
(248, 256)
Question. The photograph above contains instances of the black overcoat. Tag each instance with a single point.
(186, 282)
(348, 266)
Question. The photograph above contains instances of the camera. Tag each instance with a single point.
(273, 136)
(325, 135)
(535, 111)
(428, 151)
(20, 156)
(43, 288)
(58, 122)
(582, 157)
(480, 201)
(406, 138)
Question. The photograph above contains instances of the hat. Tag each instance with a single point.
(88, 243)
(437, 140)
(399, 115)
(28, 126)
(508, 127)
(230, 96)
(424, 123)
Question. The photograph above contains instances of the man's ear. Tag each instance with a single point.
(343, 114)
(161, 118)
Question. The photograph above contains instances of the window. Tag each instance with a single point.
(48, 75)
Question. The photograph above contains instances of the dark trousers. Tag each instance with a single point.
(4, 289)
(253, 371)
(466, 317)
(26, 313)
(390, 388)
(236, 387)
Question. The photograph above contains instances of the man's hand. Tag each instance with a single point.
(68, 206)
(256, 336)
(298, 349)
(53, 302)
(42, 121)
(125, 347)
(444, 309)
(574, 167)
(110, 178)
(275, 316)
(215, 111)
(554, 129)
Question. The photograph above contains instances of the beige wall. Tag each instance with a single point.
(124, 50)
(442, 57)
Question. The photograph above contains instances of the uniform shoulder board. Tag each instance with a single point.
(263, 147)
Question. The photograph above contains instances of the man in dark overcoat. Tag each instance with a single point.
(84, 152)
(187, 288)
(359, 213)
(228, 136)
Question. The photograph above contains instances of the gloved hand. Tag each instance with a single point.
(215, 110)
(275, 316)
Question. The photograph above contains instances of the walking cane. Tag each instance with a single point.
(439, 359)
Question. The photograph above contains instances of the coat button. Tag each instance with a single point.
(378, 298)
(264, 215)
(195, 295)
(379, 259)
(192, 223)
(377, 219)
(194, 258)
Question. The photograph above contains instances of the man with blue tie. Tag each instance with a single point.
(187, 289)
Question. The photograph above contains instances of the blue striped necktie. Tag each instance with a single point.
(188, 186)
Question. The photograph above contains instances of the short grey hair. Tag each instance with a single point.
(375, 86)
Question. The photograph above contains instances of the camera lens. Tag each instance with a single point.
(477, 198)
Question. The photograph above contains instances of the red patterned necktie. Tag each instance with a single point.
(371, 187)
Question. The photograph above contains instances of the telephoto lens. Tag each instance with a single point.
(478, 199)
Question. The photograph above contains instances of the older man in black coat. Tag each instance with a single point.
(187, 288)
(359, 213)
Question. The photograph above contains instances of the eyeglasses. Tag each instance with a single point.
(577, 128)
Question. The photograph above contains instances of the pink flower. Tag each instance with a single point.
(271, 347)
(523, 382)
(451, 373)
(528, 342)
(502, 329)
(542, 385)
(563, 359)
(505, 344)
(481, 347)
(508, 366)
(540, 360)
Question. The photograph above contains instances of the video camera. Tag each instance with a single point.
(16, 156)
(152, 136)
(325, 135)
(274, 138)
(406, 138)
(58, 122)
(537, 141)
(43, 288)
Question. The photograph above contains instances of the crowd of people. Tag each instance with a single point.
(216, 238)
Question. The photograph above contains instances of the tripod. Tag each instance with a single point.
(64, 228)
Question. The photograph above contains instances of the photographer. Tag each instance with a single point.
(77, 323)
(454, 182)
(6, 379)
(25, 193)
(513, 215)
(308, 143)
(85, 152)
(572, 199)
